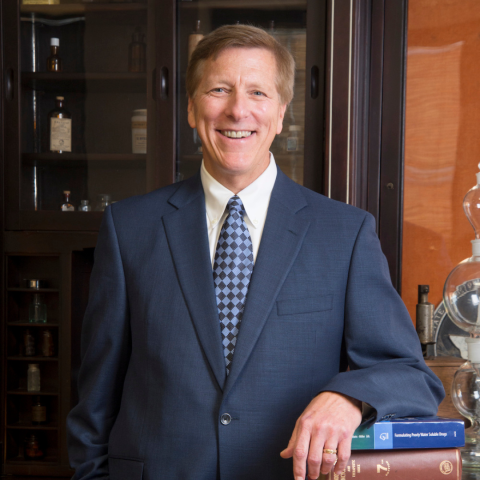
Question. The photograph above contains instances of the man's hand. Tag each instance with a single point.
(327, 423)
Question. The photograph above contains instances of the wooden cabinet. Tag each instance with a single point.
(62, 262)
(39, 241)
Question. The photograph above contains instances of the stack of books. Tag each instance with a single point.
(412, 448)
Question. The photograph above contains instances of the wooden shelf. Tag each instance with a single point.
(21, 461)
(29, 426)
(33, 290)
(19, 358)
(64, 10)
(25, 392)
(235, 4)
(126, 160)
(86, 82)
(28, 324)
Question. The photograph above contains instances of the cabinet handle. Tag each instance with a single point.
(314, 74)
(164, 83)
(9, 84)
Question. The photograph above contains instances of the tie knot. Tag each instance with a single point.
(235, 205)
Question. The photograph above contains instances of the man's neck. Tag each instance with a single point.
(237, 182)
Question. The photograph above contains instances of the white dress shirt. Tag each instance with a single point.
(255, 199)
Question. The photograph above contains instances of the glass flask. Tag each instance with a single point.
(465, 396)
(461, 297)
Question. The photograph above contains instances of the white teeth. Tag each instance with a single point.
(234, 134)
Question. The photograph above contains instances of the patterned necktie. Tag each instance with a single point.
(232, 270)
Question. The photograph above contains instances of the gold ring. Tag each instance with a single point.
(329, 450)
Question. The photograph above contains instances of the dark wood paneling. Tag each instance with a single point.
(315, 107)
(393, 117)
(2, 227)
(161, 169)
(338, 75)
(375, 107)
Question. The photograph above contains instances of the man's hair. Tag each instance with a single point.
(242, 36)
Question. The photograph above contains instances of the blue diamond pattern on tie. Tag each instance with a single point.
(232, 270)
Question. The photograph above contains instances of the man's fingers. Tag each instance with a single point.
(315, 454)
(288, 452)
(300, 451)
(343, 455)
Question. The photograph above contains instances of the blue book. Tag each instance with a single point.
(410, 432)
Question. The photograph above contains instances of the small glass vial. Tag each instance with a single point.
(54, 62)
(66, 205)
(28, 343)
(137, 52)
(48, 347)
(39, 412)
(33, 377)
(103, 201)
(37, 312)
(139, 131)
(84, 206)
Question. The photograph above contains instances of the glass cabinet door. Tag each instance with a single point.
(78, 94)
(286, 21)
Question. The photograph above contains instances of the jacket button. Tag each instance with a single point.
(225, 418)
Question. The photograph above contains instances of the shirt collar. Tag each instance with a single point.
(255, 197)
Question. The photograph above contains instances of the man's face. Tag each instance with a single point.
(237, 113)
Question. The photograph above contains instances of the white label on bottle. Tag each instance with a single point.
(61, 134)
(139, 140)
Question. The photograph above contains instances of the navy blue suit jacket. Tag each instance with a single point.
(152, 385)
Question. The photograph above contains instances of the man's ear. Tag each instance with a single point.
(281, 116)
(191, 113)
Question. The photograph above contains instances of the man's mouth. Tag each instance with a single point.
(236, 134)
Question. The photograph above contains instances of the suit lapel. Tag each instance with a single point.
(187, 235)
(282, 238)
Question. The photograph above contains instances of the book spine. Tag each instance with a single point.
(431, 464)
(387, 435)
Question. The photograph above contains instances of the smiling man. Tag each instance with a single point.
(239, 326)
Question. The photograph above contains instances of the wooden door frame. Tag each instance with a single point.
(365, 113)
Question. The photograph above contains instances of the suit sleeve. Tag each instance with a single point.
(387, 370)
(106, 348)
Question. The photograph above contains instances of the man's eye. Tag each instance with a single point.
(218, 90)
(258, 94)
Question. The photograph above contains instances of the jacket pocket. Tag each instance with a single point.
(295, 306)
(125, 469)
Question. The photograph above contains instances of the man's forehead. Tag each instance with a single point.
(254, 71)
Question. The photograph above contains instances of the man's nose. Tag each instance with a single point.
(237, 106)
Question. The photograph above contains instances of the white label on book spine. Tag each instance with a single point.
(61, 134)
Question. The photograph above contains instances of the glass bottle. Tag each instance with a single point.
(103, 201)
(66, 205)
(32, 448)
(33, 378)
(54, 62)
(39, 412)
(60, 121)
(48, 347)
(84, 206)
(194, 38)
(137, 52)
(37, 312)
(28, 343)
(461, 297)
